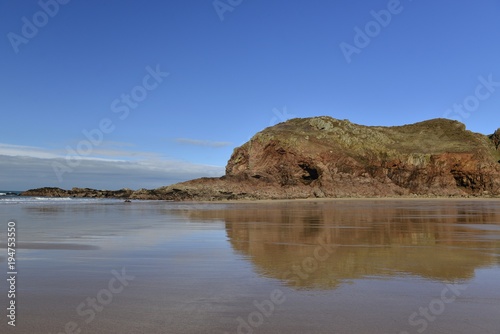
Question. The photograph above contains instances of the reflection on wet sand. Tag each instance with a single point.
(324, 244)
(53, 246)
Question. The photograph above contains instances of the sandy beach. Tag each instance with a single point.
(302, 266)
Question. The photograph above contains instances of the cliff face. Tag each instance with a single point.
(326, 157)
(338, 158)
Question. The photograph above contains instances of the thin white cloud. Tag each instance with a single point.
(24, 167)
(197, 142)
(19, 173)
(106, 151)
(123, 154)
(26, 151)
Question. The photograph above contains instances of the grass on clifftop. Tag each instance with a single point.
(434, 136)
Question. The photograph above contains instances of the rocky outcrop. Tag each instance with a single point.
(79, 192)
(495, 137)
(326, 157)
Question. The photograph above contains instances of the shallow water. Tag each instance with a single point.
(345, 266)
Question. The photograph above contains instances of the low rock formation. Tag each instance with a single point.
(326, 157)
(79, 192)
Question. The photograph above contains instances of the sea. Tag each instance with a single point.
(9, 193)
(9, 197)
(361, 266)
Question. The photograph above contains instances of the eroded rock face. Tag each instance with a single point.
(326, 157)
(495, 137)
(338, 158)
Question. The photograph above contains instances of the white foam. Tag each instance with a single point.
(54, 200)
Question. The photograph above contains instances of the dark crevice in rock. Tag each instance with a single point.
(311, 173)
(495, 137)
(464, 180)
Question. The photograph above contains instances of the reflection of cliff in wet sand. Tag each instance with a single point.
(323, 245)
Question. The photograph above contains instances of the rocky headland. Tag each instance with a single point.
(324, 157)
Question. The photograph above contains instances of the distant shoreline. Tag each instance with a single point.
(126, 194)
(322, 157)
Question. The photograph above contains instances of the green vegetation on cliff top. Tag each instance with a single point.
(428, 137)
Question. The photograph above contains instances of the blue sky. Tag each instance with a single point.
(232, 71)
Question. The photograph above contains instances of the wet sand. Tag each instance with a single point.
(314, 266)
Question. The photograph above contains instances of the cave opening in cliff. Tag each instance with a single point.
(311, 173)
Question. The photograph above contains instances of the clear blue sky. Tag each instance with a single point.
(264, 62)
